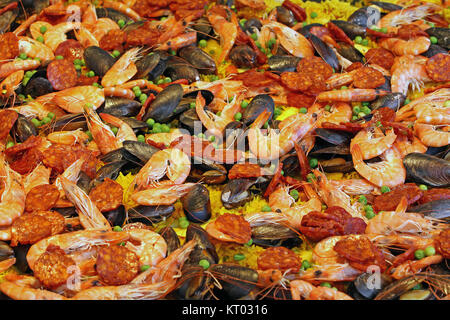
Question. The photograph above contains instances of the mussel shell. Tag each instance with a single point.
(197, 204)
(285, 16)
(386, 86)
(236, 281)
(7, 19)
(204, 247)
(234, 135)
(6, 252)
(195, 283)
(178, 68)
(149, 214)
(84, 182)
(135, 124)
(306, 30)
(350, 53)
(442, 35)
(334, 137)
(116, 217)
(38, 86)
(236, 193)
(70, 122)
(203, 28)
(392, 101)
(438, 209)
(98, 60)
(350, 29)
(365, 286)
(199, 59)
(133, 26)
(208, 177)
(20, 252)
(161, 109)
(243, 56)
(120, 107)
(252, 24)
(338, 150)
(283, 63)
(433, 50)
(362, 15)
(271, 231)
(256, 107)
(23, 129)
(110, 170)
(426, 169)
(188, 120)
(112, 156)
(112, 14)
(138, 152)
(344, 168)
(324, 50)
(151, 66)
(397, 288)
(171, 238)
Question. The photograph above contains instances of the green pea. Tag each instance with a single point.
(201, 135)
(258, 44)
(192, 105)
(266, 208)
(9, 144)
(384, 30)
(313, 162)
(365, 42)
(77, 62)
(202, 43)
(121, 23)
(89, 105)
(211, 138)
(114, 130)
(313, 15)
(95, 84)
(254, 36)
(183, 224)
(143, 97)
(78, 67)
(165, 128)
(46, 120)
(117, 229)
(244, 104)
(91, 74)
(294, 194)
(51, 115)
(370, 215)
(36, 122)
(150, 122)
(89, 134)
(116, 53)
(344, 88)
(447, 104)
(303, 110)
(59, 57)
(167, 80)
(358, 39)
(433, 40)
(239, 257)
(172, 52)
(366, 103)
(327, 108)
(145, 267)
(242, 22)
(23, 56)
(419, 254)
(266, 125)
(249, 243)
(40, 39)
(310, 177)
(366, 110)
(325, 284)
(430, 251)
(43, 29)
(423, 187)
(306, 264)
(407, 101)
(160, 81)
(385, 189)
(356, 110)
(141, 138)
(362, 199)
(238, 116)
(368, 208)
(204, 263)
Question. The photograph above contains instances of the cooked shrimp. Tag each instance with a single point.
(433, 113)
(57, 34)
(402, 47)
(354, 187)
(40, 175)
(125, 132)
(226, 30)
(430, 136)
(90, 216)
(22, 292)
(123, 70)
(152, 248)
(373, 141)
(35, 28)
(410, 268)
(180, 41)
(324, 293)
(16, 65)
(295, 43)
(405, 146)
(24, 25)
(35, 49)
(68, 137)
(102, 26)
(408, 72)
(101, 133)
(121, 7)
(162, 195)
(340, 112)
(13, 197)
(350, 95)
(75, 99)
(10, 84)
(388, 172)
(35, 109)
(300, 289)
(85, 37)
(119, 92)
(406, 16)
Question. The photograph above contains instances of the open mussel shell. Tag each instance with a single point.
(341, 150)
(306, 30)
(367, 285)
(149, 214)
(194, 283)
(188, 119)
(23, 129)
(236, 193)
(205, 248)
(243, 56)
(171, 238)
(236, 281)
(199, 59)
(324, 50)
(203, 28)
(20, 252)
(396, 288)
(98, 60)
(334, 137)
(178, 68)
(427, 169)
(115, 155)
(234, 135)
(110, 170)
(251, 24)
(271, 234)
(258, 105)
(161, 109)
(135, 124)
(197, 204)
(349, 52)
(6, 252)
(70, 122)
(191, 97)
(442, 35)
(151, 66)
(112, 14)
(138, 152)
(285, 16)
(330, 167)
(120, 107)
(350, 29)
(392, 101)
(84, 182)
(433, 50)
(438, 209)
(283, 63)
(7, 20)
(365, 16)
(116, 217)
(37, 86)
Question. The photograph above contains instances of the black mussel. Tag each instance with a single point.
(251, 24)
(115, 155)
(324, 50)
(23, 129)
(149, 214)
(208, 177)
(350, 53)
(120, 107)
(195, 283)
(290, 163)
(204, 248)
(283, 63)
(70, 122)
(236, 281)
(84, 182)
(38, 86)
(20, 252)
(189, 99)
(178, 68)
(256, 107)
(112, 14)
(339, 150)
(243, 56)
(306, 30)
(396, 288)
(138, 152)
(188, 119)
(352, 30)
(151, 66)
(161, 109)
(116, 217)
(234, 135)
(386, 86)
(236, 193)
(272, 234)
(7, 256)
(7, 19)
(134, 123)
(171, 238)
(392, 101)
(285, 16)
(426, 169)
(98, 60)
(365, 16)
(442, 35)
(199, 59)
(334, 165)
(133, 26)
(67, 212)
(196, 204)
(387, 5)
(433, 50)
(110, 170)
(334, 137)
(203, 28)
(367, 285)
(438, 209)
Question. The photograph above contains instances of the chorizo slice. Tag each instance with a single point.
(7, 120)
(41, 198)
(70, 50)
(368, 78)
(30, 228)
(279, 258)
(388, 201)
(117, 265)
(10, 46)
(230, 227)
(113, 40)
(27, 162)
(62, 74)
(315, 65)
(435, 194)
(380, 56)
(107, 196)
(442, 242)
(296, 81)
(438, 67)
(52, 268)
